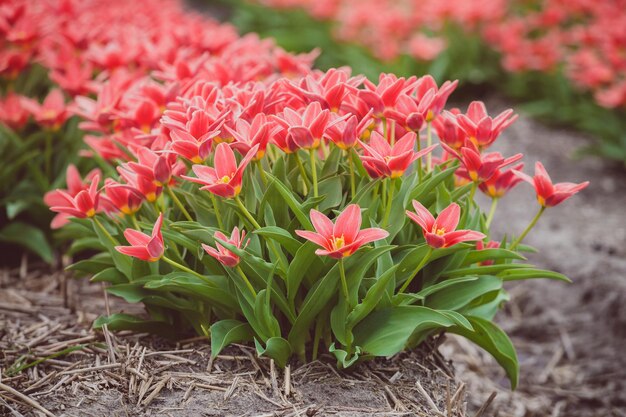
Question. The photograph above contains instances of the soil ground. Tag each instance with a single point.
(570, 337)
(139, 375)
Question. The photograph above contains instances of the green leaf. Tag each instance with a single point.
(225, 332)
(491, 338)
(476, 256)
(302, 264)
(531, 273)
(458, 295)
(372, 298)
(345, 361)
(111, 275)
(281, 236)
(291, 201)
(276, 348)
(28, 237)
(120, 321)
(188, 284)
(386, 332)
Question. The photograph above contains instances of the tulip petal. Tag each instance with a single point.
(448, 219)
(348, 223)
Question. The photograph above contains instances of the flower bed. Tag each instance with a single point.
(328, 215)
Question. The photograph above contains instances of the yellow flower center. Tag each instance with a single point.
(90, 213)
(338, 242)
(225, 179)
(439, 232)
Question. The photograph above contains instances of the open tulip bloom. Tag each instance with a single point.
(344, 252)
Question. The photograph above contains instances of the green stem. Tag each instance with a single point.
(133, 218)
(392, 132)
(313, 172)
(316, 338)
(352, 178)
(257, 226)
(344, 283)
(216, 208)
(492, 211)
(392, 189)
(385, 132)
(178, 203)
(245, 279)
(419, 160)
(419, 267)
(185, 269)
(532, 224)
(305, 177)
(246, 213)
(48, 155)
(473, 192)
(429, 141)
(261, 172)
(383, 195)
(105, 232)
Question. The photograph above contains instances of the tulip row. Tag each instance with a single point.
(563, 59)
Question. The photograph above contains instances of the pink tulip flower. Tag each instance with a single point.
(226, 257)
(144, 247)
(344, 237)
(549, 194)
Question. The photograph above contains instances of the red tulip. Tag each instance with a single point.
(226, 257)
(122, 198)
(195, 140)
(482, 129)
(225, 179)
(144, 247)
(258, 133)
(549, 194)
(500, 182)
(75, 185)
(449, 131)
(345, 134)
(441, 232)
(342, 238)
(381, 160)
(82, 205)
(480, 167)
(52, 113)
(307, 128)
(153, 166)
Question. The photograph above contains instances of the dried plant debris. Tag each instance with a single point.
(52, 363)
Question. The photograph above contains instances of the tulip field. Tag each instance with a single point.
(351, 212)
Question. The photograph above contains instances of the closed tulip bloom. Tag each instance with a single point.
(381, 160)
(223, 255)
(144, 247)
(226, 177)
(549, 194)
(441, 232)
(344, 237)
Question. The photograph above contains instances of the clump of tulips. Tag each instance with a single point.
(320, 213)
